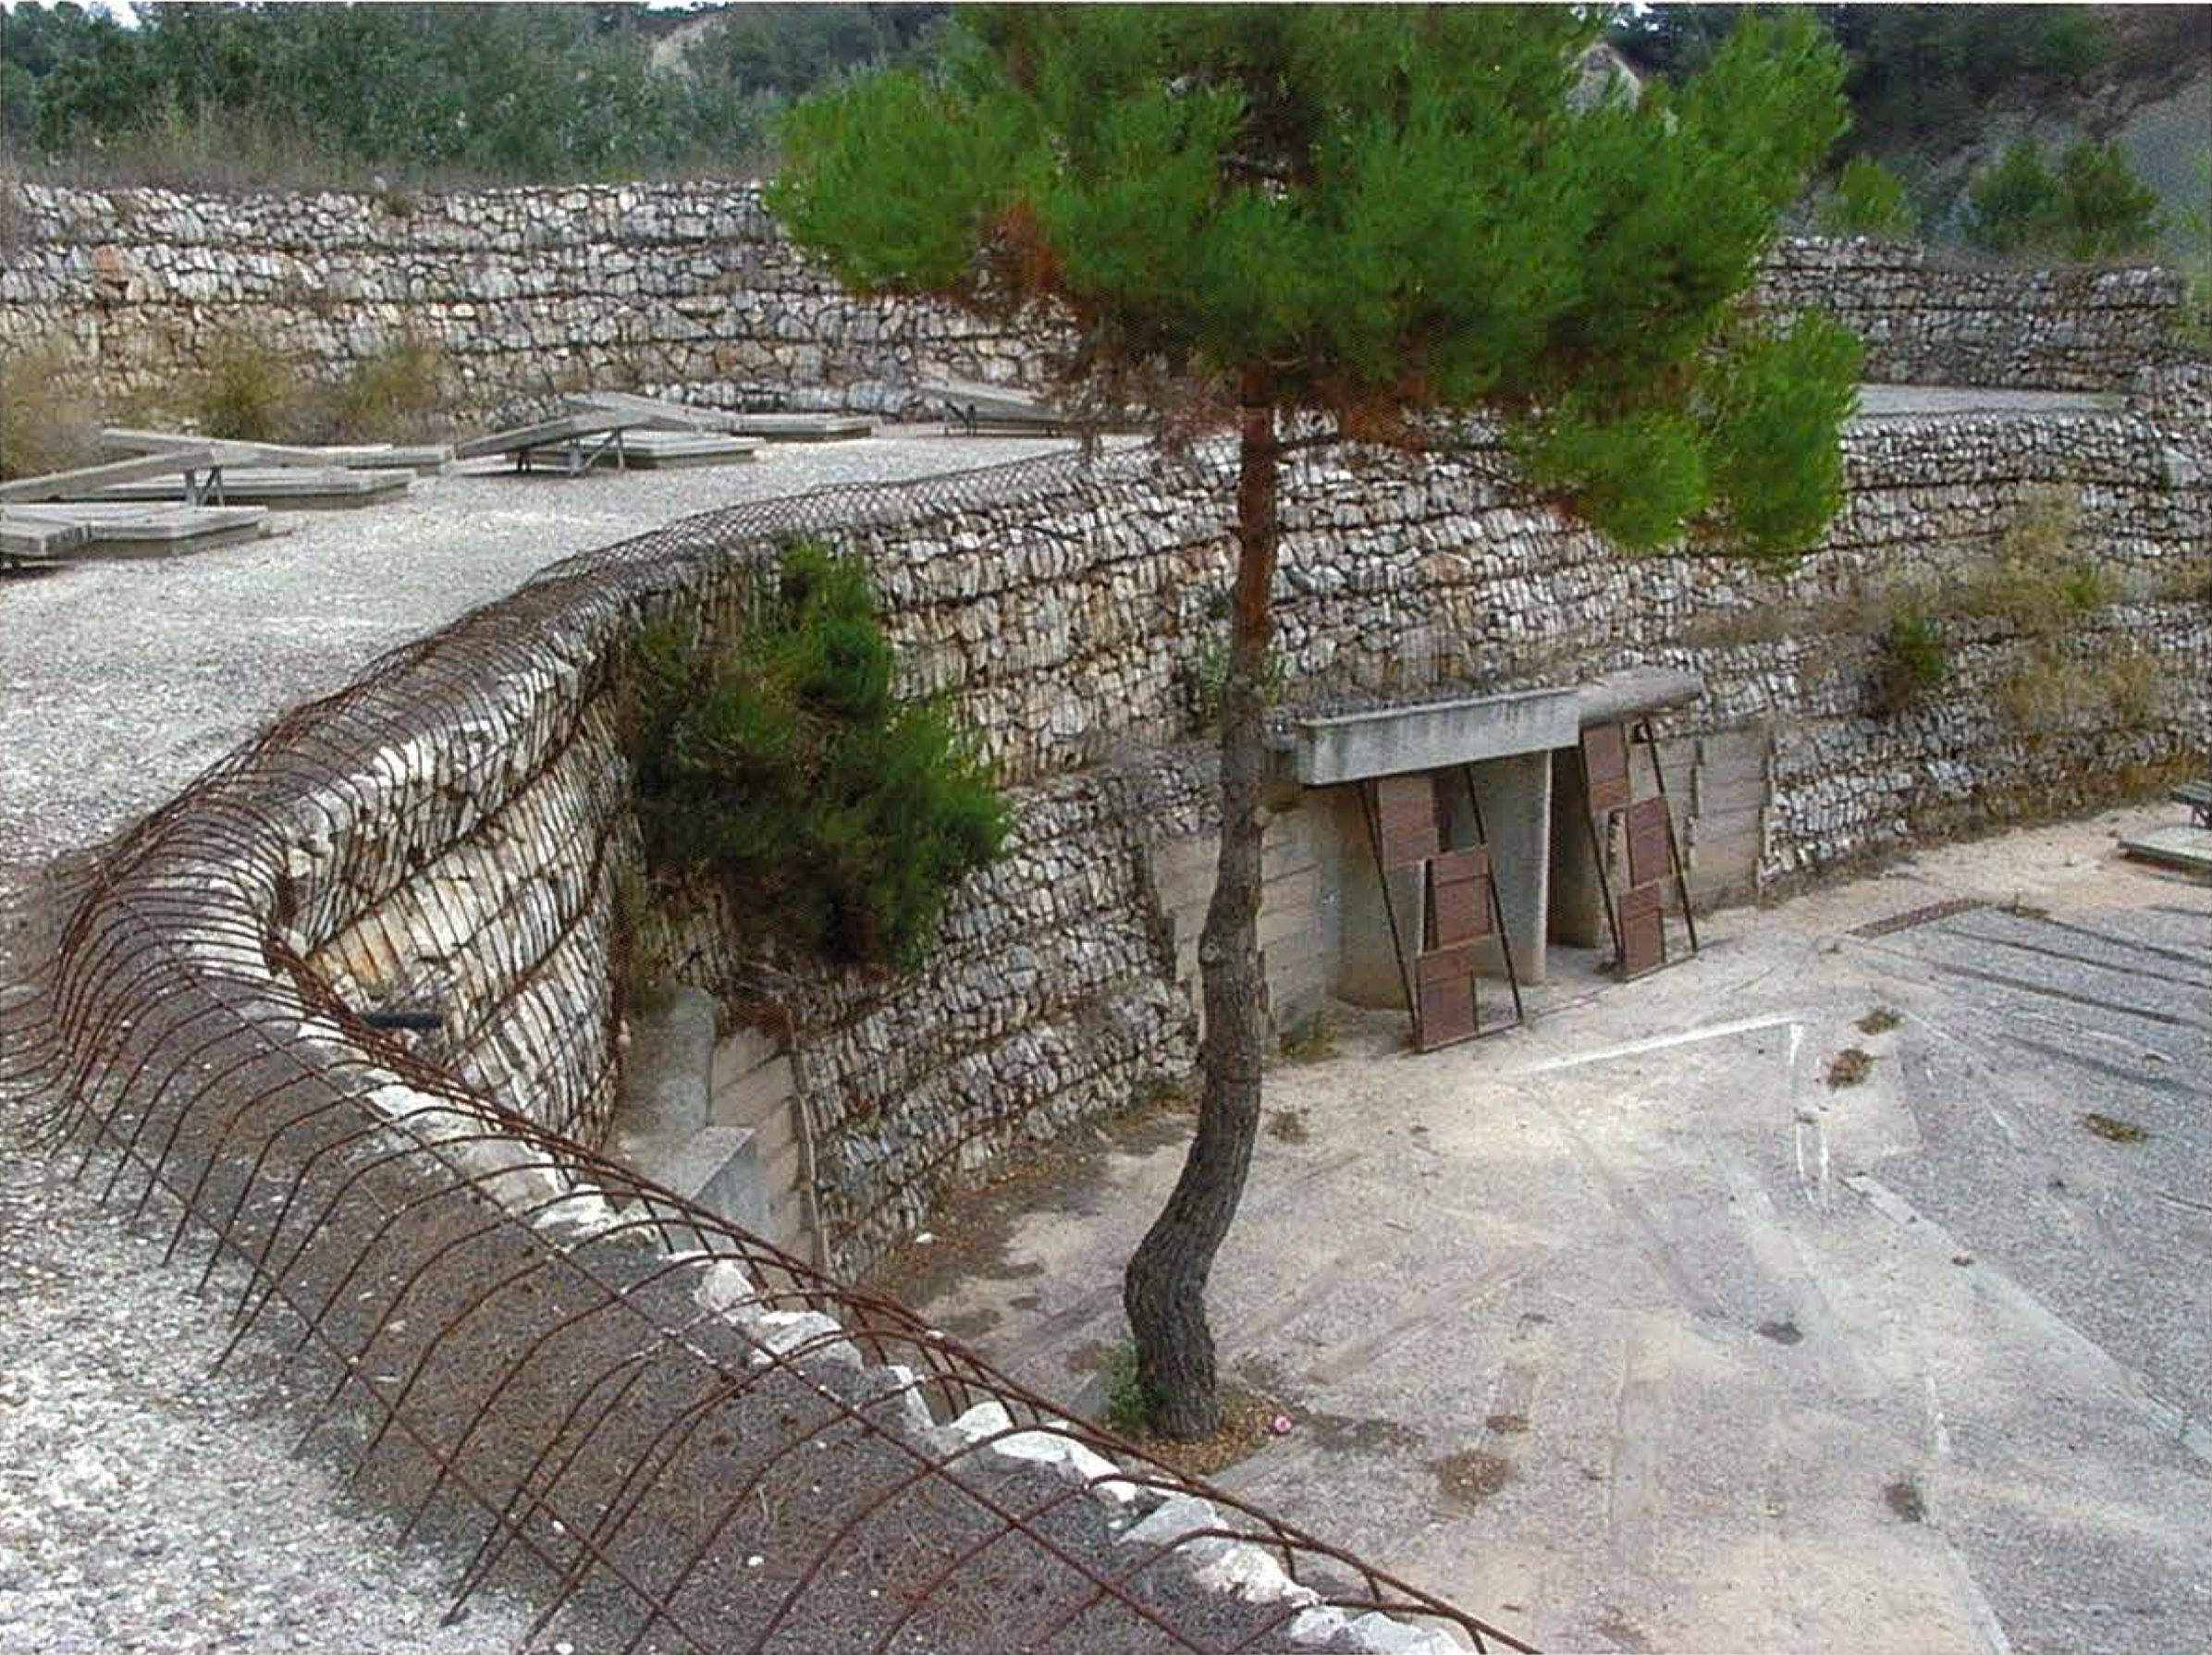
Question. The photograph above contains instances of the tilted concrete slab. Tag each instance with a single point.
(662, 450)
(228, 451)
(2187, 848)
(656, 413)
(62, 485)
(327, 488)
(544, 433)
(1355, 746)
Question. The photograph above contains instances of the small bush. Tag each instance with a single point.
(2012, 204)
(249, 392)
(46, 423)
(394, 395)
(783, 767)
(2136, 689)
(2092, 207)
(2188, 581)
(1130, 1406)
(1208, 674)
(1911, 664)
(1868, 200)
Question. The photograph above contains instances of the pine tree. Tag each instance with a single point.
(1376, 217)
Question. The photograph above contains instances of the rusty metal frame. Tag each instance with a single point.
(499, 1328)
(1640, 733)
(1497, 911)
(1371, 813)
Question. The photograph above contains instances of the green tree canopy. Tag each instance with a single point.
(1377, 215)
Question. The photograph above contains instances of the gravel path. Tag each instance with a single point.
(144, 1505)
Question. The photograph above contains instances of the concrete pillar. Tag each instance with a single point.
(660, 1123)
(1365, 970)
(1577, 899)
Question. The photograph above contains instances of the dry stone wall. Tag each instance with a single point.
(1925, 321)
(528, 293)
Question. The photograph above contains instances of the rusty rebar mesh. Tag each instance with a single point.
(662, 1430)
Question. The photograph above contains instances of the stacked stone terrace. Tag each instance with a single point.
(530, 292)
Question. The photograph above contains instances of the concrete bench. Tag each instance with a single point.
(2197, 795)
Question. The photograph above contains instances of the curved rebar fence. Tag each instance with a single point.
(663, 1430)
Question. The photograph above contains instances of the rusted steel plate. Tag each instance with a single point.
(1606, 767)
(1648, 841)
(1444, 978)
(1459, 907)
(1406, 809)
(1643, 930)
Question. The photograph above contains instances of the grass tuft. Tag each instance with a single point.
(47, 422)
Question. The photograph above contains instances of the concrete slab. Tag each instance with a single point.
(295, 489)
(134, 529)
(664, 451)
(657, 413)
(1631, 693)
(84, 480)
(2185, 847)
(804, 428)
(522, 438)
(1355, 746)
(27, 532)
(1633, 1332)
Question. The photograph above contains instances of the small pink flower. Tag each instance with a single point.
(1280, 1425)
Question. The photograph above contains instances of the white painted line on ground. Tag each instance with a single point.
(1719, 1030)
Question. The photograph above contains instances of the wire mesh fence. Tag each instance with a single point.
(665, 1432)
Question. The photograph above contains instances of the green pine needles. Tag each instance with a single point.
(782, 765)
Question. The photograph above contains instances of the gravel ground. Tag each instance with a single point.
(121, 680)
(144, 1505)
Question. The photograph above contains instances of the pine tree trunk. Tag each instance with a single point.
(1164, 1291)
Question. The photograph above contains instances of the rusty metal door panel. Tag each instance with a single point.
(1444, 978)
(1406, 811)
(1461, 904)
(1643, 930)
(1606, 767)
(1649, 832)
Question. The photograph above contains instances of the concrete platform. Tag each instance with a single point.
(803, 428)
(29, 532)
(153, 529)
(1633, 1332)
(294, 488)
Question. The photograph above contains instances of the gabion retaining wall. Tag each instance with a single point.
(531, 292)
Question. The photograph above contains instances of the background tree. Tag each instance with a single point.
(1357, 218)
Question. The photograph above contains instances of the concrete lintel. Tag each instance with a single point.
(1393, 740)
(1637, 691)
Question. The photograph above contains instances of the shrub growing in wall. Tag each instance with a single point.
(780, 765)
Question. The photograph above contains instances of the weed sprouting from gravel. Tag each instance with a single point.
(1849, 1067)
